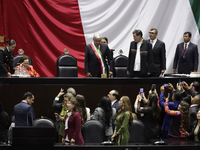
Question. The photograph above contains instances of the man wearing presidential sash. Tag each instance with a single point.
(95, 54)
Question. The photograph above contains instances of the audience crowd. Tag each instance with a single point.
(177, 116)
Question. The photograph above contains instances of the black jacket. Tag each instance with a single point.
(6, 60)
(146, 57)
(92, 64)
(189, 62)
(159, 58)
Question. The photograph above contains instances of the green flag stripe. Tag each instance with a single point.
(195, 5)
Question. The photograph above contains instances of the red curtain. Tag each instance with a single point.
(43, 28)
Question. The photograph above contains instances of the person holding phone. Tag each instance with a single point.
(151, 114)
(173, 105)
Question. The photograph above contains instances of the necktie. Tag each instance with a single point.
(185, 49)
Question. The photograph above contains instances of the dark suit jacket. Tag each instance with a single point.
(74, 129)
(92, 64)
(191, 60)
(146, 57)
(193, 117)
(6, 59)
(159, 58)
(116, 106)
(24, 114)
(192, 133)
(57, 106)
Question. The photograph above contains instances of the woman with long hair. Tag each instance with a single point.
(85, 110)
(124, 119)
(104, 114)
(151, 113)
(180, 121)
(66, 98)
(73, 124)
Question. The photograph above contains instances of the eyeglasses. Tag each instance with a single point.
(151, 33)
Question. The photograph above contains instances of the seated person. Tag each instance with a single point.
(24, 66)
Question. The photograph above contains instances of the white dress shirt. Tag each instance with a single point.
(137, 57)
(153, 42)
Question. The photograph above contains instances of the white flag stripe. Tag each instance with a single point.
(116, 20)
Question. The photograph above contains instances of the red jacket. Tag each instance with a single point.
(74, 129)
(29, 70)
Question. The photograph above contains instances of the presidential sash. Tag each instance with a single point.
(101, 60)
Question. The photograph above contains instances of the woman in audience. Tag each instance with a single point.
(124, 119)
(4, 125)
(67, 98)
(180, 121)
(151, 114)
(73, 124)
(104, 114)
(195, 133)
(6, 59)
(85, 110)
(24, 66)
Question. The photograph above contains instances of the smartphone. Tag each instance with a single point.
(180, 83)
(166, 85)
(142, 92)
(153, 87)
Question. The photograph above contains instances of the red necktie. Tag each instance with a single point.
(185, 49)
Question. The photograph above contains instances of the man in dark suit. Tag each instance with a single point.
(193, 89)
(114, 98)
(140, 56)
(56, 104)
(95, 55)
(6, 59)
(193, 109)
(186, 56)
(158, 49)
(23, 112)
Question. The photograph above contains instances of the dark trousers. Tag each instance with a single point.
(137, 74)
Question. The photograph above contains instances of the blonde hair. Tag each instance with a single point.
(127, 103)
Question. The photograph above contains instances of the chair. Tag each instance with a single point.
(93, 132)
(17, 58)
(32, 136)
(43, 123)
(120, 66)
(67, 66)
(137, 132)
